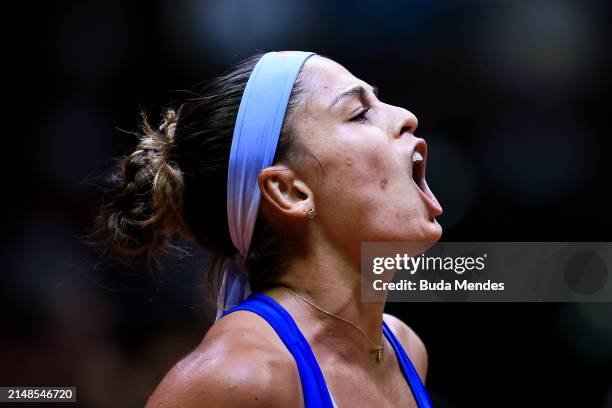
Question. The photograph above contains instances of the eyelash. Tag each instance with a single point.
(361, 116)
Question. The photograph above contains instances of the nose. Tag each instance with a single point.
(406, 123)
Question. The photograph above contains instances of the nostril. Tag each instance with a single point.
(406, 129)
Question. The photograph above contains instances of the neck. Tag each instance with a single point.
(333, 283)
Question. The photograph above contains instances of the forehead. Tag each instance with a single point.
(324, 79)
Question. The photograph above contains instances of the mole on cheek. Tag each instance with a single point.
(383, 184)
(348, 161)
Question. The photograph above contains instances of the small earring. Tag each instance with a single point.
(311, 212)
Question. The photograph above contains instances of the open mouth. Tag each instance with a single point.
(419, 162)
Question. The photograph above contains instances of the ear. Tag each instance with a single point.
(287, 194)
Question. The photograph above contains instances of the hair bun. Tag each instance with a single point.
(143, 202)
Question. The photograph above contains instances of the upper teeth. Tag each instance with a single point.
(416, 156)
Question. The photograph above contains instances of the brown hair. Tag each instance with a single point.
(175, 181)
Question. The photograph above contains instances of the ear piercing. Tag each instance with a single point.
(311, 212)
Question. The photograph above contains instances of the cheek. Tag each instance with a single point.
(367, 180)
(368, 194)
(362, 171)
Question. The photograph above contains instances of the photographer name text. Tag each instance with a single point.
(424, 285)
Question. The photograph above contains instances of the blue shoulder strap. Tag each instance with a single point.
(315, 389)
(411, 374)
(316, 393)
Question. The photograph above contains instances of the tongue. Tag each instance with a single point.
(432, 198)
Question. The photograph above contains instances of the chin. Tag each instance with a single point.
(432, 232)
(425, 235)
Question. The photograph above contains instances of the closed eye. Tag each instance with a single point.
(361, 116)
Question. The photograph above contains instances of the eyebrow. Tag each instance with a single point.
(358, 90)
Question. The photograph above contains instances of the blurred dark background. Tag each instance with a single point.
(512, 96)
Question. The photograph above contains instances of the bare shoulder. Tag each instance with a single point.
(238, 364)
(412, 343)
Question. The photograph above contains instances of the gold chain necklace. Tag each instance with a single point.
(377, 348)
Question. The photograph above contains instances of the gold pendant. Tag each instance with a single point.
(379, 353)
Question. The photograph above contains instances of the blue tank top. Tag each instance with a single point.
(316, 392)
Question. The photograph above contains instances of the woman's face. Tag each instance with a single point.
(373, 184)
